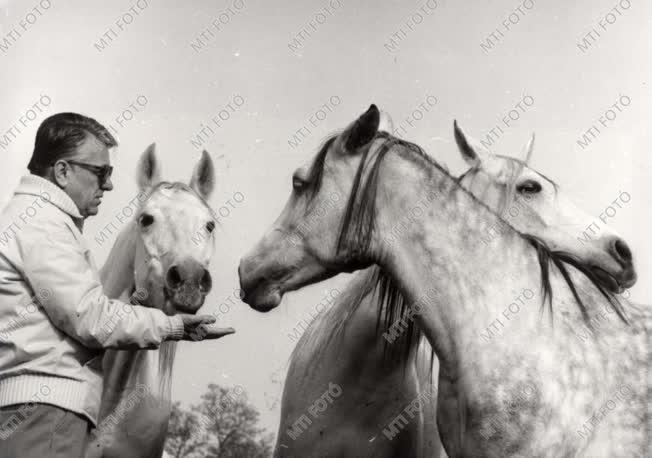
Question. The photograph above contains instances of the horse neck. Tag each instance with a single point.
(438, 260)
(117, 273)
(129, 367)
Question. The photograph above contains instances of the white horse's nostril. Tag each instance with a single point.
(173, 278)
(188, 274)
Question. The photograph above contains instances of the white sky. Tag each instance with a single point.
(344, 57)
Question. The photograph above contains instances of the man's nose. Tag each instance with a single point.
(107, 185)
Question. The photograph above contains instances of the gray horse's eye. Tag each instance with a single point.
(529, 187)
(146, 219)
(298, 184)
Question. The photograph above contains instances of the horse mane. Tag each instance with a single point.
(318, 337)
(376, 283)
(514, 167)
(562, 259)
(392, 305)
(359, 220)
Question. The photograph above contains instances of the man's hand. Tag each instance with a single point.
(198, 327)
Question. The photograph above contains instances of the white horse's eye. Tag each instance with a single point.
(529, 187)
(146, 219)
(210, 226)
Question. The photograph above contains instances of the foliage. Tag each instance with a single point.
(223, 425)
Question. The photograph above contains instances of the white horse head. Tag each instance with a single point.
(175, 243)
(534, 204)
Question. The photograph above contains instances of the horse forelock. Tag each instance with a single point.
(184, 216)
(517, 165)
(317, 167)
(162, 186)
(503, 181)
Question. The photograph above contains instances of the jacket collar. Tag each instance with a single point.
(49, 192)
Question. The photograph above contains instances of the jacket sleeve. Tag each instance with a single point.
(67, 288)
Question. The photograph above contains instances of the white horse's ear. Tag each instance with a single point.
(203, 177)
(148, 171)
(472, 153)
(386, 122)
(529, 148)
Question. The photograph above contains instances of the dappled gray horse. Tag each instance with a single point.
(535, 386)
(377, 366)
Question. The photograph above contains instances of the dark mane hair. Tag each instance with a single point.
(317, 168)
(358, 224)
(391, 307)
(561, 260)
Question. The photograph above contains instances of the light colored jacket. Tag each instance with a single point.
(55, 320)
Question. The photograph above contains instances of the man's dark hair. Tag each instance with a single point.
(59, 135)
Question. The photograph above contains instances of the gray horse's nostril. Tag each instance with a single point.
(173, 278)
(244, 285)
(621, 251)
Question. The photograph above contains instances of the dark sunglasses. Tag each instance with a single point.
(103, 172)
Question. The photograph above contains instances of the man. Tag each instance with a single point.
(52, 306)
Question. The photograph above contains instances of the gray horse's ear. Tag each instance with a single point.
(203, 176)
(364, 129)
(472, 154)
(386, 122)
(148, 170)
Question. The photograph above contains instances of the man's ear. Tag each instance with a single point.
(364, 129)
(61, 173)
